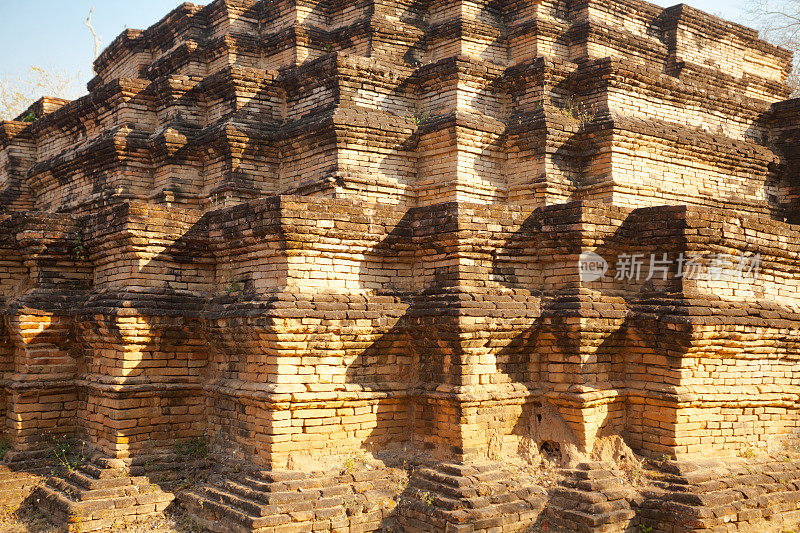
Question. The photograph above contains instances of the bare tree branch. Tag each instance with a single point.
(16, 94)
(97, 39)
(779, 22)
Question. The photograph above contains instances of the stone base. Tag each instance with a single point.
(593, 497)
(442, 497)
(467, 498)
(20, 475)
(354, 500)
(759, 494)
(754, 494)
(99, 494)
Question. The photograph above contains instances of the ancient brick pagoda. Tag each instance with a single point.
(299, 229)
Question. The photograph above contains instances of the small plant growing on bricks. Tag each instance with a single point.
(5, 446)
(576, 112)
(78, 249)
(194, 448)
(68, 452)
(419, 118)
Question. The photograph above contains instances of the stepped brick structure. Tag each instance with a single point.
(301, 229)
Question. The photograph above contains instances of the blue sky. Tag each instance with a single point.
(727, 9)
(51, 34)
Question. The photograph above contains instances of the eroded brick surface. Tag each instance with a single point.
(294, 230)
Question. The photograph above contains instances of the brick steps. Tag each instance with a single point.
(166, 469)
(469, 497)
(20, 474)
(98, 494)
(592, 497)
(707, 495)
(16, 485)
(293, 501)
(758, 494)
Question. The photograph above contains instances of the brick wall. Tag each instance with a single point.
(306, 228)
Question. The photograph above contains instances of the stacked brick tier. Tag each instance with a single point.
(356, 500)
(755, 494)
(303, 228)
(478, 497)
(99, 494)
(593, 497)
(19, 478)
(218, 105)
(705, 495)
